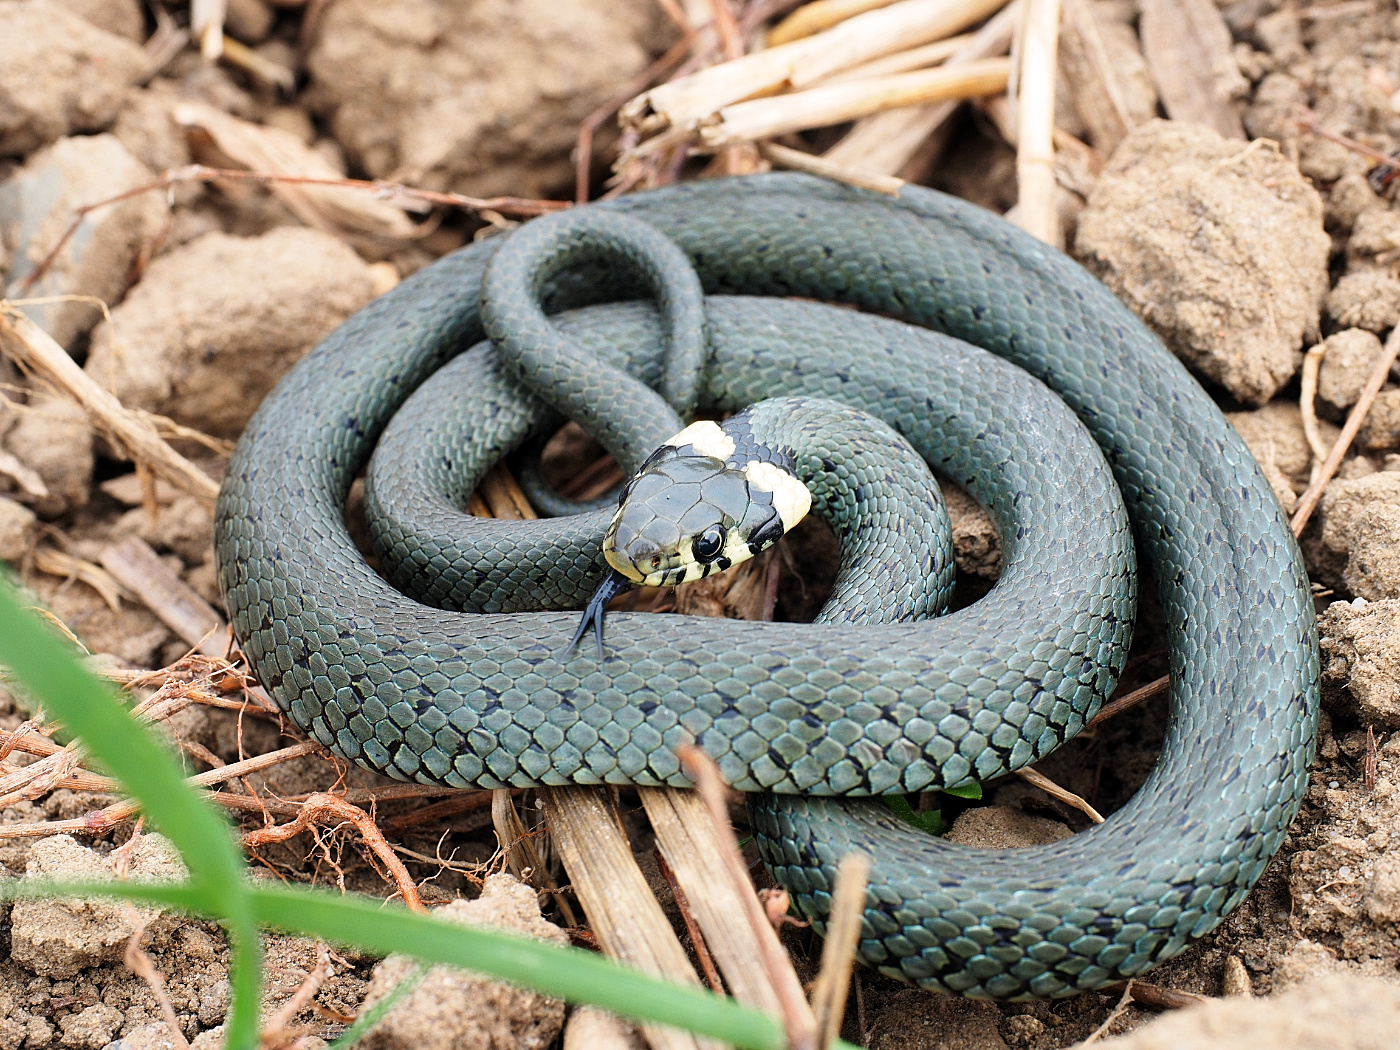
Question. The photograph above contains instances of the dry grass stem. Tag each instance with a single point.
(1130, 700)
(54, 562)
(1308, 501)
(1040, 780)
(31, 348)
(683, 104)
(687, 839)
(1189, 51)
(820, 14)
(138, 568)
(1307, 120)
(839, 948)
(797, 1015)
(330, 810)
(523, 854)
(274, 74)
(168, 40)
(1035, 210)
(824, 106)
(621, 909)
(1098, 96)
(785, 157)
(903, 61)
(207, 25)
(1307, 404)
(888, 142)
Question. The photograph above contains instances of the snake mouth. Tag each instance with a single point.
(613, 584)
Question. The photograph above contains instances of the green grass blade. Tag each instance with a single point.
(566, 973)
(376, 1013)
(47, 666)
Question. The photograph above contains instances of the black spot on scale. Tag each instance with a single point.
(978, 310)
(830, 467)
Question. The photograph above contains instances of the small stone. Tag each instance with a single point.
(1375, 239)
(148, 1037)
(592, 1029)
(91, 1028)
(1350, 356)
(1361, 521)
(1382, 429)
(37, 205)
(146, 128)
(976, 542)
(1275, 437)
(59, 74)
(1236, 981)
(54, 439)
(1350, 198)
(1022, 1030)
(1218, 246)
(219, 320)
(1002, 827)
(453, 1010)
(17, 526)
(58, 937)
(1367, 299)
(1361, 661)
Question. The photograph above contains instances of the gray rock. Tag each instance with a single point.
(37, 207)
(54, 439)
(1350, 356)
(17, 526)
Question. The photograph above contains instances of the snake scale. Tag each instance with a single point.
(491, 697)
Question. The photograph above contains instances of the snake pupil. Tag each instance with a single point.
(708, 544)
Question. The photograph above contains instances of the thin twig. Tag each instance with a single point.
(381, 190)
(697, 939)
(786, 157)
(141, 964)
(1308, 501)
(1040, 780)
(1308, 121)
(275, 1030)
(1371, 764)
(1116, 707)
(798, 1018)
(1117, 1012)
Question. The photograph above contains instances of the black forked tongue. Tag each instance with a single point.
(614, 583)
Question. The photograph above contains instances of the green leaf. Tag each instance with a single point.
(931, 823)
(972, 791)
(45, 664)
(566, 973)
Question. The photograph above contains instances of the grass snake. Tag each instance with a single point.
(801, 713)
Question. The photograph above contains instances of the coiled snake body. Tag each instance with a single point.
(491, 696)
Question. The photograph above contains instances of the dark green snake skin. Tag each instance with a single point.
(488, 697)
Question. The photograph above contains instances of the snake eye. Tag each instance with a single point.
(708, 544)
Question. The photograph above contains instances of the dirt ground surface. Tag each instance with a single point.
(1242, 245)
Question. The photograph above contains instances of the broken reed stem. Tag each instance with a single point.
(834, 104)
(136, 566)
(1307, 404)
(326, 809)
(785, 157)
(1035, 122)
(1040, 780)
(800, 1022)
(839, 947)
(1308, 501)
(812, 18)
(35, 352)
(381, 190)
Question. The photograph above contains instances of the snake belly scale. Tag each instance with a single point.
(486, 698)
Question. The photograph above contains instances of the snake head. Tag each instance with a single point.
(697, 506)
